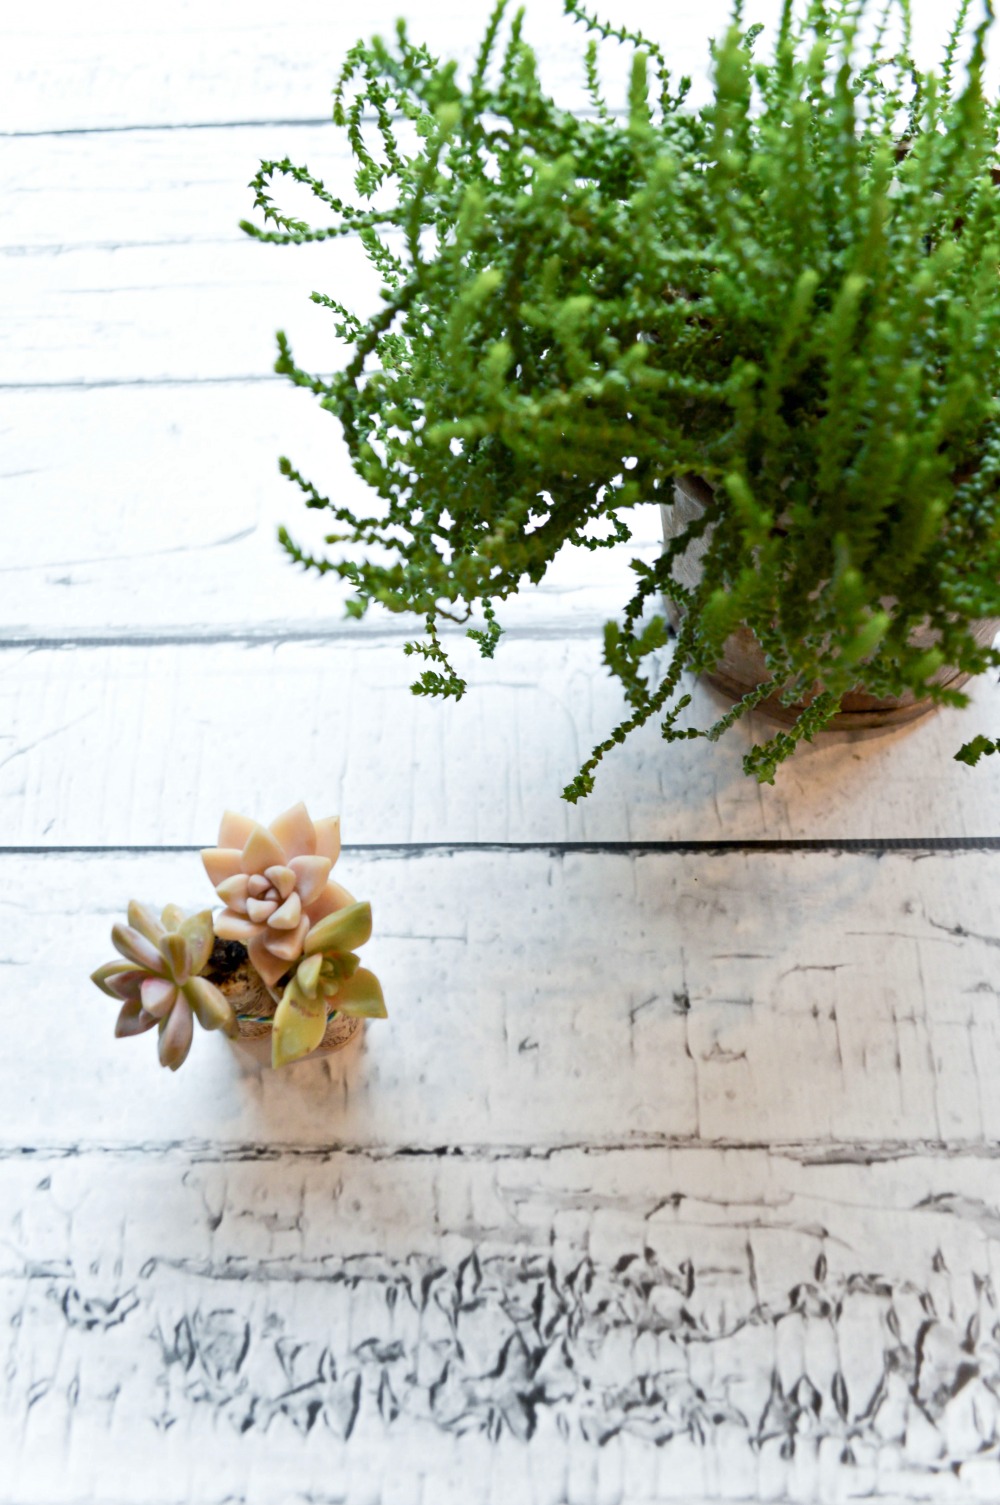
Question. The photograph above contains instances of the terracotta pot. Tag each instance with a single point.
(232, 973)
(742, 665)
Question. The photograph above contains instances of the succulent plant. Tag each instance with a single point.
(160, 981)
(328, 978)
(275, 883)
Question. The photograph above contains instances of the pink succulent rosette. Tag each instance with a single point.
(275, 883)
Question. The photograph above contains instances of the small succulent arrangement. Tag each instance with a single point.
(284, 942)
(790, 292)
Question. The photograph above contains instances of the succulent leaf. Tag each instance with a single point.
(283, 879)
(287, 943)
(234, 927)
(103, 975)
(360, 996)
(328, 837)
(234, 892)
(222, 863)
(307, 975)
(137, 949)
(126, 985)
(143, 919)
(311, 874)
(175, 954)
(341, 931)
(289, 914)
(298, 1028)
(159, 995)
(161, 982)
(295, 832)
(340, 965)
(270, 967)
(133, 1020)
(211, 1007)
(199, 938)
(234, 830)
(176, 1033)
(275, 883)
(262, 850)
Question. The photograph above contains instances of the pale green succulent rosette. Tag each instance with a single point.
(329, 979)
(160, 983)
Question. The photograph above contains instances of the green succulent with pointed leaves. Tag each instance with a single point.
(159, 982)
(329, 979)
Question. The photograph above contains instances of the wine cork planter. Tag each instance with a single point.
(253, 1005)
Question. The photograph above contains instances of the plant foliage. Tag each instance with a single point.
(791, 292)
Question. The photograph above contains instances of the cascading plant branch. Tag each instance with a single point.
(791, 292)
(293, 929)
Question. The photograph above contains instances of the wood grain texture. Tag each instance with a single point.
(672, 1175)
(139, 511)
(188, 729)
(723, 1229)
(592, 1329)
(540, 999)
(116, 66)
(169, 313)
(143, 188)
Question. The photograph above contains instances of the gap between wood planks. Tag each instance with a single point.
(808, 1153)
(875, 846)
(290, 123)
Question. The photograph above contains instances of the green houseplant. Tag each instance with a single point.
(790, 294)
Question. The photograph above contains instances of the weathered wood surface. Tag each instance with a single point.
(673, 1174)
(186, 729)
(139, 512)
(121, 67)
(724, 1228)
(199, 312)
(544, 999)
(600, 1328)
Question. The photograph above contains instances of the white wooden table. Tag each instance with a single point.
(673, 1175)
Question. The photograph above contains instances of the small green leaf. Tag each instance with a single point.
(307, 976)
(113, 969)
(136, 949)
(970, 753)
(199, 938)
(340, 965)
(341, 931)
(175, 954)
(142, 918)
(133, 1020)
(360, 997)
(212, 1008)
(298, 1028)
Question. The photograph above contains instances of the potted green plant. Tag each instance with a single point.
(275, 968)
(784, 303)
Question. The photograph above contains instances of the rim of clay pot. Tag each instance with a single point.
(743, 666)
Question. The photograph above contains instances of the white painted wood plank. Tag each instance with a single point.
(189, 729)
(150, 187)
(135, 511)
(601, 1329)
(175, 312)
(540, 1000)
(115, 65)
